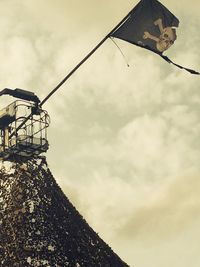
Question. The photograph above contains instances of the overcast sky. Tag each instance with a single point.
(124, 142)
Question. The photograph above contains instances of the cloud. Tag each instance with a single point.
(166, 215)
(126, 175)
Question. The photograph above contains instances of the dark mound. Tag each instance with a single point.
(40, 227)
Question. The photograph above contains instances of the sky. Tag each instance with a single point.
(124, 141)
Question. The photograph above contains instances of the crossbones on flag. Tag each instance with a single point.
(152, 26)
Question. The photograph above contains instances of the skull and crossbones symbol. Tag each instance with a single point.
(166, 38)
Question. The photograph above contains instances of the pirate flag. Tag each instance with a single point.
(152, 26)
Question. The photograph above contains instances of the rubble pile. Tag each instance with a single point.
(40, 227)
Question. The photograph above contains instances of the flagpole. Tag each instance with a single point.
(84, 59)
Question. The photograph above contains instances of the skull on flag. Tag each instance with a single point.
(166, 38)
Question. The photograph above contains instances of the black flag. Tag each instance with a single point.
(152, 26)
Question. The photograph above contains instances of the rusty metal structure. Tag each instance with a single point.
(23, 126)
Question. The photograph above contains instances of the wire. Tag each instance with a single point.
(121, 52)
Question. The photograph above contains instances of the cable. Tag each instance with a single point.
(121, 52)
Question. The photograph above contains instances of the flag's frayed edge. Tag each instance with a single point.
(163, 56)
(179, 66)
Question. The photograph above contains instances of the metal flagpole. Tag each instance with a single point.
(74, 69)
(84, 59)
